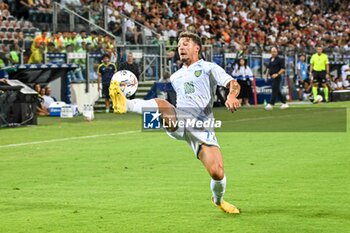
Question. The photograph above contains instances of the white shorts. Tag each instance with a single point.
(194, 137)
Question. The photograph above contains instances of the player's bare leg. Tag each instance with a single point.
(168, 113)
(211, 158)
(122, 105)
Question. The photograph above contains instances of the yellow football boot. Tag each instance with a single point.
(118, 98)
(227, 207)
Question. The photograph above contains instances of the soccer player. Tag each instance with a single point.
(195, 84)
(105, 73)
(319, 70)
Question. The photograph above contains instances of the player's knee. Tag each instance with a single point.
(162, 103)
(217, 172)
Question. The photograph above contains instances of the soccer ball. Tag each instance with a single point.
(127, 80)
(319, 99)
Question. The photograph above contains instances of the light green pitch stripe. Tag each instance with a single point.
(67, 139)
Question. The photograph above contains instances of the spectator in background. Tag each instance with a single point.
(56, 39)
(37, 88)
(132, 34)
(14, 54)
(345, 73)
(131, 66)
(48, 92)
(37, 53)
(4, 6)
(243, 74)
(48, 99)
(38, 47)
(302, 75)
(3, 73)
(23, 7)
(51, 48)
(116, 28)
(275, 69)
(71, 4)
(319, 70)
(105, 73)
(74, 75)
(66, 39)
(40, 108)
(336, 84)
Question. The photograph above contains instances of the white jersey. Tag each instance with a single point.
(195, 85)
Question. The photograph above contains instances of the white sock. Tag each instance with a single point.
(218, 189)
(136, 105)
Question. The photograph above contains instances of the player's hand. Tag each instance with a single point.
(232, 103)
(274, 76)
(98, 88)
(327, 76)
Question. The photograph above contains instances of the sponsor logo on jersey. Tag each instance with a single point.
(189, 87)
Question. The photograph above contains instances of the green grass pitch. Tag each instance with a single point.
(67, 175)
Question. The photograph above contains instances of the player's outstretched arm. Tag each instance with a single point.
(232, 103)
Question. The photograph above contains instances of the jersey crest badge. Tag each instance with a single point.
(198, 73)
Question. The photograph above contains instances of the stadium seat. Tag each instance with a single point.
(11, 18)
(32, 30)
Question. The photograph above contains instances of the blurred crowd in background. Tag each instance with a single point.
(299, 24)
(290, 23)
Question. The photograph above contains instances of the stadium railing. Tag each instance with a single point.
(64, 19)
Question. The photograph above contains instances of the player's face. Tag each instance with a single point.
(302, 58)
(188, 50)
(319, 50)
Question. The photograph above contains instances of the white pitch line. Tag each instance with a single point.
(67, 139)
(273, 117)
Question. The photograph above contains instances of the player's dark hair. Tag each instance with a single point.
(194, 37)
(105, 56)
